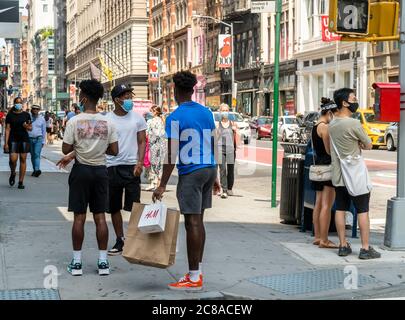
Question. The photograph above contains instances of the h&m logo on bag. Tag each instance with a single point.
(152, 214)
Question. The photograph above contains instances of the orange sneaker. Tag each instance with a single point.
(186, 284)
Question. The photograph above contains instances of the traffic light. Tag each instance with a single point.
(364, 20)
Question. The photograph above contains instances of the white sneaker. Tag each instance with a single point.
(103, 268)
(230, 193)
(224, 196)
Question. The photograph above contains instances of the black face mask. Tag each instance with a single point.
(353, 107)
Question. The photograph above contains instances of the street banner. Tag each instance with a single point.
(225, 51)
(328, 36)
(258, 6)
(153, 69)
(3, 72)
(10, 19)
(72, 90)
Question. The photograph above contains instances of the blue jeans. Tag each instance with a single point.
(36, 149)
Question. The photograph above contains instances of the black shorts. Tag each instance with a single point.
(122, 178)
(88, 186)
(19, 147)
(320, 185)
(344, 200)
(49, 130)
(194, 190)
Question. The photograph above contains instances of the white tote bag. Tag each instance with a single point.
(355, 174)
(153, 218)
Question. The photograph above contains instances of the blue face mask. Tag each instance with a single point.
(18, 106)
(128, 105)
(225, 115)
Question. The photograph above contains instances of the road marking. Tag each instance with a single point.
(257, 163)
(387, 175)
(384, 185)
(381, 161)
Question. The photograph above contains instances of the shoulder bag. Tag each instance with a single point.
(319, 173)
(355, 174)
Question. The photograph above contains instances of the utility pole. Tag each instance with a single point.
(276, 105)
(395, 225)
(355, 68)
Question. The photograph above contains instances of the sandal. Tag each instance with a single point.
(328, 245)
(316, 242)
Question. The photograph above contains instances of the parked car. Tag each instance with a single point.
(243, 125)
(263, 127)
(308, 123)
(391, 137)
(287, 128)
(374, 129)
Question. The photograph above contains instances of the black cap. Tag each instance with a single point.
(119, 90)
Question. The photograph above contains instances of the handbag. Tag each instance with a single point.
(319, 173)
(355, 174)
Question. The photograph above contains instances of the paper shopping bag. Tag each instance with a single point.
(153, 218)
(155, 250)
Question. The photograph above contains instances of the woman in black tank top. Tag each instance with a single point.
(325, 192)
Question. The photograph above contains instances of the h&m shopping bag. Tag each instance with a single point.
(153, 218)
(156, 249)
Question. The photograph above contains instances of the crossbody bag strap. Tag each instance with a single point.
(312, 145)
(334, 147)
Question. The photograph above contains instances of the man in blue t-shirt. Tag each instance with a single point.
(190, 132)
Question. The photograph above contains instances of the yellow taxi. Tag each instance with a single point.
(374, 129)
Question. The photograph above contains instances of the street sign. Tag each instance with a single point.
(62, 96)
(258, 6)
(10, 19)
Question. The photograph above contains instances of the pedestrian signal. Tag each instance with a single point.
(365, 20)
(349, 16)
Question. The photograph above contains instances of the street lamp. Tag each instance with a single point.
(229, 25)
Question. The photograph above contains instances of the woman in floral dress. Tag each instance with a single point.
(157, 143)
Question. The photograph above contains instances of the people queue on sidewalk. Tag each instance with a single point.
(338, 141)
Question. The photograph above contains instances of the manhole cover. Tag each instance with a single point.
(33, 294)
(309, 282)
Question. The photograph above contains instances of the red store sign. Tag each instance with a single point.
(328, 36)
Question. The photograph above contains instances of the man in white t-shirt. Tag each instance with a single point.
(125, 169)
(89, 137)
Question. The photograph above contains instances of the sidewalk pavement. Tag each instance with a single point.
(249, 254)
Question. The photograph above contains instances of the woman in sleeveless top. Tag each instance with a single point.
(325, 192)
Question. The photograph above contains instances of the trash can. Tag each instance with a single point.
(292, 183)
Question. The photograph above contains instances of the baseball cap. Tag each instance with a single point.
(35, 106)
(119, 90)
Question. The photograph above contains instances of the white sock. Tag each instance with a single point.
(103, 255)
(201, 268)
(77, 256)
(194, 276)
